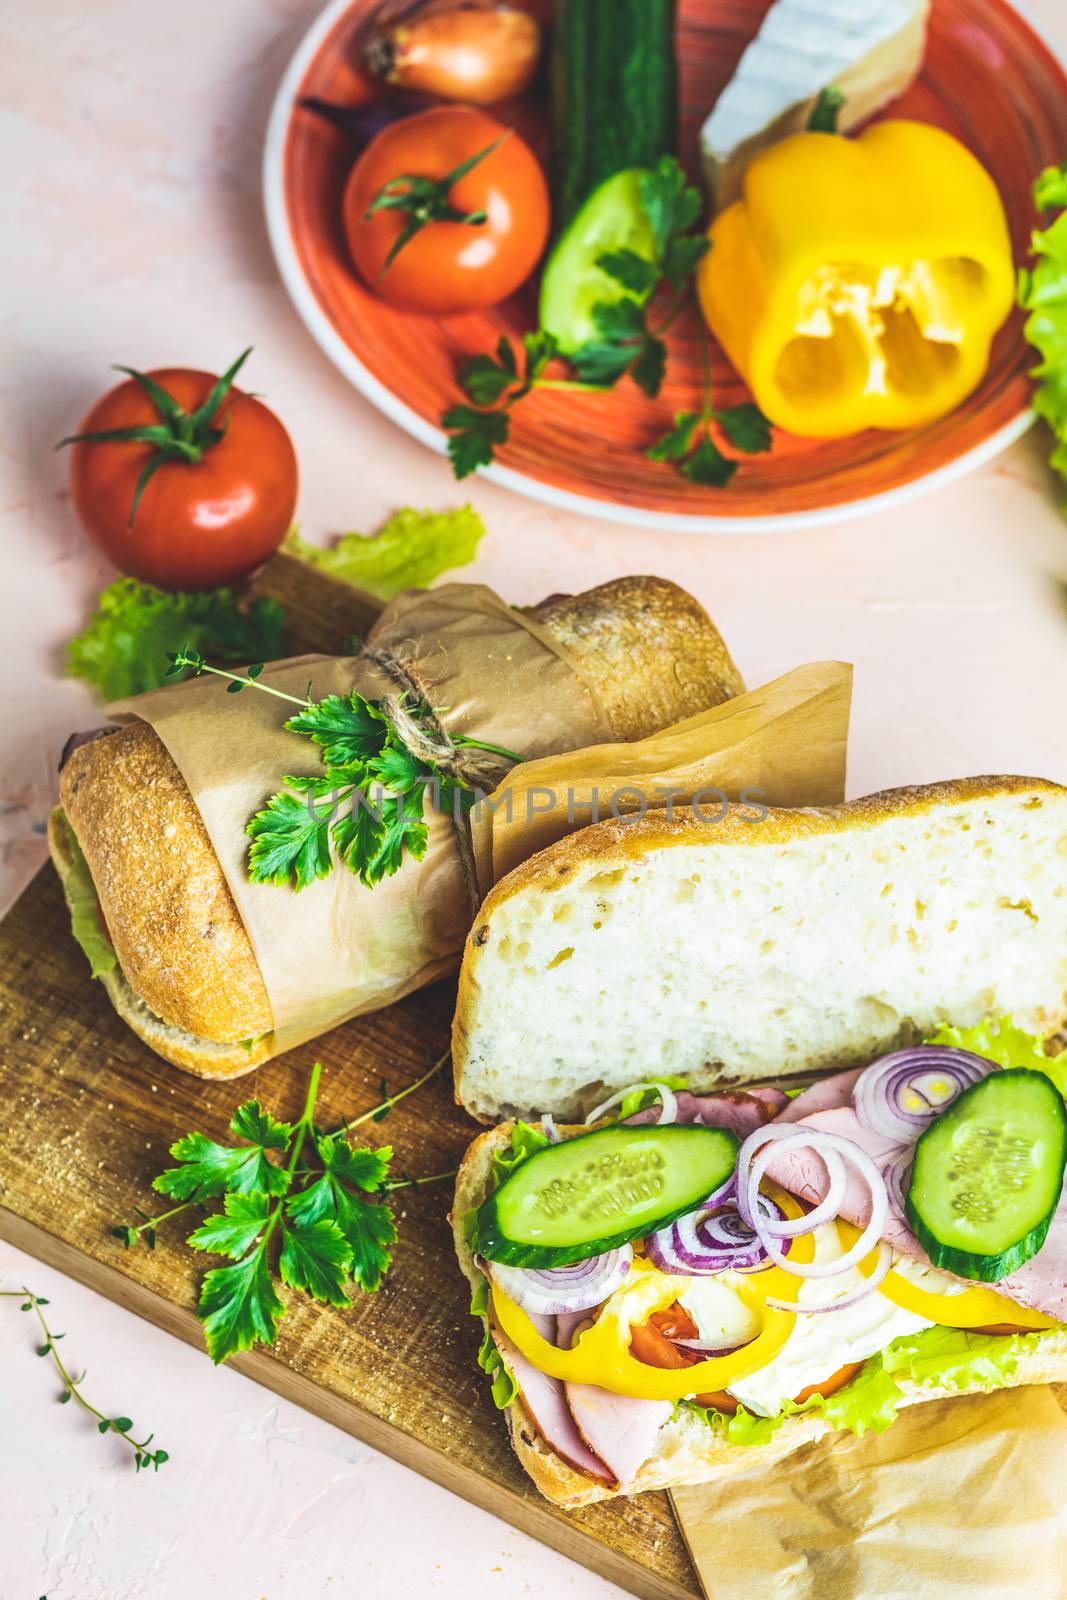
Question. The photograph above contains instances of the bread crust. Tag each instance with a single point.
(688, 1452)
(652, 650)
(185, 954)
(614, 842)
(626, 838)
(202, 1057)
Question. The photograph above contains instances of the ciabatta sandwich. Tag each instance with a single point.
(704, 1284)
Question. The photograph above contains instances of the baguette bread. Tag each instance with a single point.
(687, 1451)
(731, 950)
(189, 983)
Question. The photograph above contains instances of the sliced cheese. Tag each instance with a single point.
(869, 49)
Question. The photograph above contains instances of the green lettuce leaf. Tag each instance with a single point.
(866, 1405)
(413, 549)
(869, 1404)
(80, 892)
(743, 1428)
(525, 1141)
(959, 1358)
(1000, 1040)
(122, 649)
(502, 1384)
(1042, 291)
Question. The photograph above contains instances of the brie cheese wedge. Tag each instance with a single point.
(869, 49)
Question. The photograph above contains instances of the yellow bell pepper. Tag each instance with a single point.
(974, 1308)
(601, 1355)
(859, 282)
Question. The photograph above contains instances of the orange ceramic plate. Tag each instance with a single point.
(987, 78)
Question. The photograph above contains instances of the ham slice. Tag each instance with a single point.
(829, 1095)
(609, 1436)
(1040, 1283)
(545, 1403)
(777, 1099)
(742, 1111)
(621, 1430)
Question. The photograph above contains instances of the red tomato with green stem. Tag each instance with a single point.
(183, 480)
(446, 211)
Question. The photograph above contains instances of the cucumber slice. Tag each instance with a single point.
(587, 1195)
(988, 1175)
(613, 218)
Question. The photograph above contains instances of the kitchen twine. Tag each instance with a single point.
(421, 731)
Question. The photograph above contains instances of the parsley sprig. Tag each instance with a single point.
(628, 342)
(366, 809)
(496, 382)
(72, 1390)
(690, 445)
(301, 1207)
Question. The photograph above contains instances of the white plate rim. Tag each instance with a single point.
(383, 398)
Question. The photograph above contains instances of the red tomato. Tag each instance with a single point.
(447, 265)
(199, 523)
(651, 1343)
(830, 1385)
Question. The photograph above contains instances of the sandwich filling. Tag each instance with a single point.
(894, 1227)
(86, 921)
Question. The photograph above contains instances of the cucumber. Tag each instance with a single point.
(988, 1174)
(613, 218)
(586, 1195)
(614, 94)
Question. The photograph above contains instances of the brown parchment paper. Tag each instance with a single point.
(959, 1500)
(784, 744)
(335, 949)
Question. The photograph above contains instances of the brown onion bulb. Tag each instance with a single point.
(478, 54)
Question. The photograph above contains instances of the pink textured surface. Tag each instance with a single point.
(131, 136)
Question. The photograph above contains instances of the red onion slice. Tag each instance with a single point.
(900, 1095)
(712, 1239)
(668, 1102)
(897, 1178)
(842, 1303)
(554, 1291)
(825, 1211)
(752, 1163)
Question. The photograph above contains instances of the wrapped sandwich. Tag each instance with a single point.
(698, 1280)
(218, 972)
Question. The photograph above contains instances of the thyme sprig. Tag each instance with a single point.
(72, 1390)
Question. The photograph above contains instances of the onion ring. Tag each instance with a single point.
(752, 1163)
(901, 1094)
(668, 1102)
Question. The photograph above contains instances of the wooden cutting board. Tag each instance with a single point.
(89, 1113)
